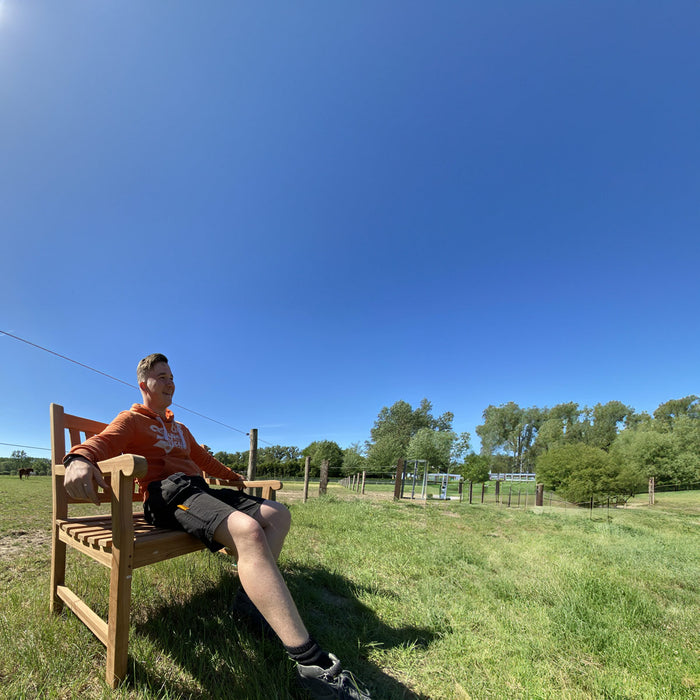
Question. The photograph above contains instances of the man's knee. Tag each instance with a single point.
(277, 514)
(244, 530)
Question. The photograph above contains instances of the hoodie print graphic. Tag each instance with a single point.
(168, 441)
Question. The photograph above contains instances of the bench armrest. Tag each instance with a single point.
(274, 484)
(127, 465)
(268, 487)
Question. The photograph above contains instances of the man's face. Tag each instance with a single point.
(159, 387)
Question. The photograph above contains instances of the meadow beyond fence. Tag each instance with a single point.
(423, 600)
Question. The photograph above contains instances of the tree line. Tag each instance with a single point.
(609, 450)
(578, 451)
(399, 431)
(21, 460)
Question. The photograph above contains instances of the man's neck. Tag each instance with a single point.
(161, 411)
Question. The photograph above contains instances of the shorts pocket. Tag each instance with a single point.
(164, 497)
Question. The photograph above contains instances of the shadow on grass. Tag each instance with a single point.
(219, 657)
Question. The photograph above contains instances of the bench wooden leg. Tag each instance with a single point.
(119, 617)
(58, 570)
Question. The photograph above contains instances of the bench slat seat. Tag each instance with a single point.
(121, 540)
(93, 536)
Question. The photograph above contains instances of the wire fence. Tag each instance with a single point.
(506, 494)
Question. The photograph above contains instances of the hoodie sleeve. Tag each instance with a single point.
(206, 462)
(111, 442)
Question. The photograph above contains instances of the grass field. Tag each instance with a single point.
(436, 600)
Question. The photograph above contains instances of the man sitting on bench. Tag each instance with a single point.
(176, 496)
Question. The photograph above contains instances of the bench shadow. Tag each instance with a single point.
(206, 638)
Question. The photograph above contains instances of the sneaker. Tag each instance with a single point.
(333, 682)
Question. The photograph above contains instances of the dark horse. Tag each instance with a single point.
(25, 472)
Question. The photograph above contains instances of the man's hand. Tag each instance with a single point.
(81, 477)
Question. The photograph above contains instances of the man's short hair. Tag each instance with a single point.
(147, 364)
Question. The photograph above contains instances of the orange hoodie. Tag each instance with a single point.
(167, 445)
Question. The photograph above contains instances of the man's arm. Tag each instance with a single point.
(208, 463)
(82, 473)
(81, 479)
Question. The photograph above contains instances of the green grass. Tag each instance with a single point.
(442, 600)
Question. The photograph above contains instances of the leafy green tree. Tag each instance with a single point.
(396, 425)
(324, 449)
(500, 463)
(442, 423)
(559, 425)
(11, 465)
(279, 460)
(607, 420)
(273, 460)
(638, 420)
(650, 453)
(385, 453)
(569, 416)
(566, 423)
(238, 461)
(511, 429)
(551, 434)
(461, 447)
(666, 447)
(578, 472)
(353, 459)
(21, 460)
(433, 446)
(476, 468)
(7, 465)
(41, 465)
(667, 413)
(686, 432)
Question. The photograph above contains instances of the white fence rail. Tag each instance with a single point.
(515, 476)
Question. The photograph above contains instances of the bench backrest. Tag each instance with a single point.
(77, 430)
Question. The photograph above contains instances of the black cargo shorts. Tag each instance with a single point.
(188, 503)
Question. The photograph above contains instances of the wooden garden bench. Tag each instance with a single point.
(121, 540)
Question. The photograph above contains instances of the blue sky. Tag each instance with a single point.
(316, 209)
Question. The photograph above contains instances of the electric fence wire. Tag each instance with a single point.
(29, 447)
(116, 379)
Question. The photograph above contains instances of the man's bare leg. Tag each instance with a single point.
(276, 520)
(319, 672)
(260, 577)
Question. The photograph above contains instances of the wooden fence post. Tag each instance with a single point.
(364, 474)
(399, 479)
(539, 495)
(651, 491)
(307, 468)
(323, 484)
(498, 491)
(253, 460)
